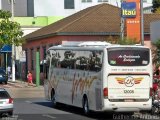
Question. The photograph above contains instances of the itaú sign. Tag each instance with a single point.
(128, 9)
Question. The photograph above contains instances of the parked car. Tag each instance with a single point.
(3, 76)
(6, 103)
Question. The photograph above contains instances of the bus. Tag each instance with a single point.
(99, 76)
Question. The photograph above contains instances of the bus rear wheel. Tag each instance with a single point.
(85, 106)
(53, 99)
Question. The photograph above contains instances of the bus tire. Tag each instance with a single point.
(85, 106)
(53, 98)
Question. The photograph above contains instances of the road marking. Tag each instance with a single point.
(28, 101)
(49, 116)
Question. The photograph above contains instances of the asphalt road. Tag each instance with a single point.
(30, 104)
(40, 109)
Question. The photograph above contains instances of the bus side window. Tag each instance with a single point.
(83, 63)
(82, 58)
(53, 60)
(95, 61)
(69, 59)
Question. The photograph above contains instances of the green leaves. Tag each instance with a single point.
(157, 44)
(126, 41)
(10, 32)
(118, 40)
(156, 52)
(156, 5)
(5, 14)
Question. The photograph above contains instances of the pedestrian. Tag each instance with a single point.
(29, 78)
(9, 71)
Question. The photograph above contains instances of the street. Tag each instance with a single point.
(30, 104)
(40, 109)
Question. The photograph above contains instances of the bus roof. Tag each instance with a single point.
(99, 45)
(84, 43)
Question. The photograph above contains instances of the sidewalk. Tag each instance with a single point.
(20, 89)
(22, 84)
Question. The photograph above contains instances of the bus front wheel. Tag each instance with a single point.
(85, 106)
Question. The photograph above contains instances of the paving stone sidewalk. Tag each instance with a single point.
(20, 89)
(22, 84)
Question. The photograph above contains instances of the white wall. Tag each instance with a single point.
(26, 30)
(155, 30)
(56, 7)
(0, 4)
(44, 7)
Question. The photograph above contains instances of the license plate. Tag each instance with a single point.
(129, 100)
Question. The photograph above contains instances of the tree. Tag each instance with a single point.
(156, 52)
(10, 32)
(127, 41)
(156, 5)
(157, 10)
(124, 41)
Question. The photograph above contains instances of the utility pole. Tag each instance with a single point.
(142, 22)
(122, 23)
(13, 46)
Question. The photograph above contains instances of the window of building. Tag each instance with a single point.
(30, 8)
(50, 45)
(38, 50)
(68, 4)
(44, 52)
(32, 59)
(86, 0)
(102, 0)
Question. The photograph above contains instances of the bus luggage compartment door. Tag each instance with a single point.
(128, 87)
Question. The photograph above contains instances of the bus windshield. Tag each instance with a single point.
(128, 56)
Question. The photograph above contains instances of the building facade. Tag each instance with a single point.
(36, 8)
(65, 7)
(96, 23)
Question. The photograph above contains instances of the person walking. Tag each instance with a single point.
(9, 72)
(29, 78)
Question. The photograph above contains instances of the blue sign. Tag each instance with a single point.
(6, 48)
(128, 9)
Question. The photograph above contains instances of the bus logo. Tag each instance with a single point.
(129, 81)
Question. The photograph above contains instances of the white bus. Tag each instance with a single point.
(100, 76)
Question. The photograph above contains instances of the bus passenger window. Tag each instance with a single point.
(95, 61)
(69, 60)
(83, 63)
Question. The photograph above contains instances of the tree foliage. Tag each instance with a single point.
(157, 10)
(10, 32)
(126, 41)
(156, 5)
(156, 52)
(118, 40)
